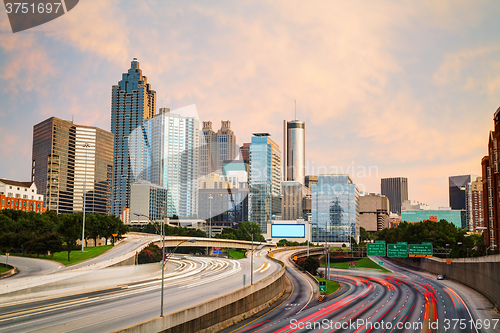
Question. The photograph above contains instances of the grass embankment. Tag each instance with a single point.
(331, 286)
(3, 269)
(362, 263)
(76, 256)
(236, 253)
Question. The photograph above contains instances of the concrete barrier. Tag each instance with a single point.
(481, 273)
(220, 312)
(10, 272)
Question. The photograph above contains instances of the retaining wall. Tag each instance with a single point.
(10, 272)
(481, 273)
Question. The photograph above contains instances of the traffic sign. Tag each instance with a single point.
(294, 258)
(376, 249)
(420, 250)
(353, 263)
(448, 261)
(381, 263)
(322, 286)
(397, 250)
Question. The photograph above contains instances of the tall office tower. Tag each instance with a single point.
(264, 180)
(245, 152)
(474, 200)
(292, 200)
(491, 186)
(132, 101)
(294, 151)
(174, 161)
(457, 189)
(65, 158)
(373, 212)
(218, 147)
(396, 190)
(335, 209)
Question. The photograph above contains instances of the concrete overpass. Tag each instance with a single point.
(173, 241)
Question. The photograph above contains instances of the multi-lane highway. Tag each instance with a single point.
(189, 281)
(402, 301)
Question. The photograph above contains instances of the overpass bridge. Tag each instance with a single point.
(173, 241)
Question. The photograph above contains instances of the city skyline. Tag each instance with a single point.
(370, 97)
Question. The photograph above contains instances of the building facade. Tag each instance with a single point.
(147, 199)
(292, 196)
(457, 217)
(20, 196)
(491, 186)
(335, 209)
(173, 139)
(457, 189)
(294, 151)
(132, 102)
(264, 180)
(373, 212)
(396, 190)
(474, 204)
(217, 147)
(309, 180)
(245, 152)
(68, 159)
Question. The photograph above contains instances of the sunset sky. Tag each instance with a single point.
(407, 88)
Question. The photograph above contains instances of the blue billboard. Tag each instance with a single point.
(288, 231)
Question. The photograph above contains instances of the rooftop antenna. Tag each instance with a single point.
(295, 109)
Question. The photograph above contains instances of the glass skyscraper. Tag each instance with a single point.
(173, 143)
(396, 190)
(132, 102)
(64, 154)
(335, 209)
(264, 180)
(294, 151)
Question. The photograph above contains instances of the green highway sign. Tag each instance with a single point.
(381, 263)
(420, 250)
(322, 286)
(397, 250)
(376, 249)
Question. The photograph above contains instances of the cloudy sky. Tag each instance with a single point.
(405, 88)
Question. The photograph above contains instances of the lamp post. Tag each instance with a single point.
(210, 197)
(86, 146)
(251, 261)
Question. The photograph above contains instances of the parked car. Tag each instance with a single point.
(440, 277)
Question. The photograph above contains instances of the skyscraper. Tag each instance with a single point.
(491, 186)
(174, 162)
(396, 190)
(264, 180)
(294, 151)
(457, 187)
(65, 158)
(132, 101)
(218, 147)
(474, 197)
(335, 209)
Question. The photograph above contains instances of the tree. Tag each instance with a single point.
(53, 243)
(253, 228)
(311, 265)
(70, 228)
(93, 226)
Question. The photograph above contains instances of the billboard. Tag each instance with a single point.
(288, 231)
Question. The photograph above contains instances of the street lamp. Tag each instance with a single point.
(85, 145)
(210, 197)
(251, 262)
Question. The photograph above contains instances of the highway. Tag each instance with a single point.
(402, 301)
(189, 281)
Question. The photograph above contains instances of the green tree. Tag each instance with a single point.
(93, 226)
(253, 228)
(311, 265)
(70, 228)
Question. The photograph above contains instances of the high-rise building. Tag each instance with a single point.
(396, 190)
(474, 200)
(292, 196)
(335, 209)
(218, 147)
(147, 199)
(132, 102)
(310, 180)
(294, 151)
(457, 187)
(264, 180)
(373, 212)
(69, 157)
(174, 159)
(491, 186)
(245, 152)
